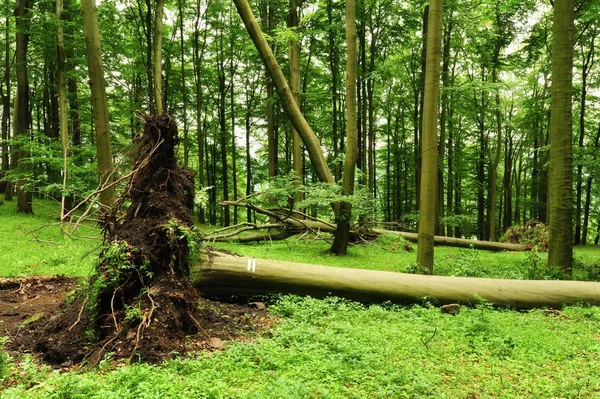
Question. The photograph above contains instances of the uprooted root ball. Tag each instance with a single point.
(140, 302)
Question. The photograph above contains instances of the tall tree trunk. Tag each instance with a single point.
(6, 187)
(419, 104)
(198, 59)
(272, 139)
(232, 107)
(309, 139)
(439, 230)
(62, 101)
(579, 179)
(99, 103)
(495, 158)
(333, 69)
(588, 193)
(343, 216)
(186, 144)
(158, 31)
(295, 87)
(481, 164)
(22, 111)
(149, 66)
(427, 204)
(560, 253)
(223, 134)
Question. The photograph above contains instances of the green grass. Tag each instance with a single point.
(333, 348)
(337, 349)
(27, 248)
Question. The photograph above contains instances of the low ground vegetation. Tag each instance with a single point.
(332, 348)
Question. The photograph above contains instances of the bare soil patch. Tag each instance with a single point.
(29, 317)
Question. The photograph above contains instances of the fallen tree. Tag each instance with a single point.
(290, 222)
(231, 275)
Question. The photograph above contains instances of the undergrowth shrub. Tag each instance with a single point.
(586, 271)
(4, 363)
(533, 233)
(536, 267)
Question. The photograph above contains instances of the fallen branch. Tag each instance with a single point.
(295, 222)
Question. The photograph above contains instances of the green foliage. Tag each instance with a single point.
(536, 267)
(586, 271)
(467, 223)
(4, 361)
(318, 196)
(178, 231)
(466, 263)
(335, 348)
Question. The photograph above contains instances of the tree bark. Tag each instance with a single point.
(427, 204)
(22, 110)
(62, 101)
(342, 234)
(158, 23)
(198, 59)
(560, 252)
(6, 187)
(99, 103)
(295, 86)
(310, 140)
(579, 179)
(227, 275)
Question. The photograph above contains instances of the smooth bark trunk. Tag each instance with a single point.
(229, 275)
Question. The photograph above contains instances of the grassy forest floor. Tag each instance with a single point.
(329, 348)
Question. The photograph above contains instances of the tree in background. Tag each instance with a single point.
(100, 105)
(22, 110)
(344, 213)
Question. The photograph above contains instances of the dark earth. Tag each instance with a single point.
(28, 306)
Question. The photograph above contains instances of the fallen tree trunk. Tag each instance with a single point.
(463, 243)
(230, 275)
(291, 222)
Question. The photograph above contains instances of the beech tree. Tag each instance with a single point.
(427, 204)
(560, 252)
(100, 105)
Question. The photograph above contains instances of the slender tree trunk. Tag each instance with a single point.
(495, 160)
(62, 101)
(6, 187)
(99, 103)
(333, 69)
(427, 205)
(309, 139)
(232, 68)
(560, 253)
(22, 111)
(149, 65)
(343, 217)
(158, 23)
(579, 178)
(439, 230)
(588, 193)
(223, 133)
(198, 59)
(186, 144)
(295, 87)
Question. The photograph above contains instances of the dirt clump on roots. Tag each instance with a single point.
(140, 303)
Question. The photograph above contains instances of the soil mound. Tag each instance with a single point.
(140, 303)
